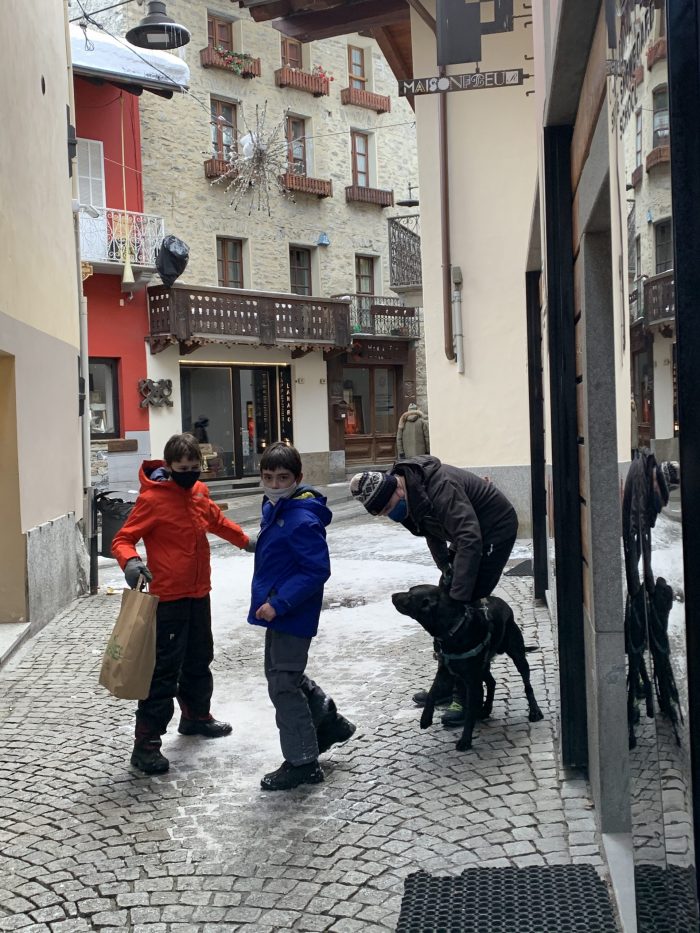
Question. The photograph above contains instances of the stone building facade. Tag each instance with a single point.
(314, 245)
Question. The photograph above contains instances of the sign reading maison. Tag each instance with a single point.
(469, 82)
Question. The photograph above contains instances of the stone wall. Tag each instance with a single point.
(176, 141)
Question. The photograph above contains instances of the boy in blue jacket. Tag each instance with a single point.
(292, 565)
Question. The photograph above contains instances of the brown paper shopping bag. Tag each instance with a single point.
(130, 655)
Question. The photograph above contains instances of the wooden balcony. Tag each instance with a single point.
(637, 175)
(659, 299)
(364, 195)
(367, 99)
(216, 168)
(210, 58)
(302, 81)
(191, 317)
(656, 52)
(660, 155)
(319, 187)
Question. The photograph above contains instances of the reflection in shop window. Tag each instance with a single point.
(104, 399)
(663, 241)
(661, 128)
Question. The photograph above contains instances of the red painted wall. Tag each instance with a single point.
(116, 330)
(97, 113)
(118, 333)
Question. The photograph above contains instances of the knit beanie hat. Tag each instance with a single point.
(373, 489)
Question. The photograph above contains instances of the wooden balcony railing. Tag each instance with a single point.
(302, 81)
(659, 298)
(658, 156)
(249, 67)
(382, 316)
(369, 195)
(637, 175)
(191, 316)
(215, 168)
(656, 52)
(319, 187)
(367, 99)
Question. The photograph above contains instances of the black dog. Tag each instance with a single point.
(468, 637)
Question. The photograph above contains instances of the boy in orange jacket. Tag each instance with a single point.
(172, 515)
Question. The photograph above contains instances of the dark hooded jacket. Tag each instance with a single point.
(641, 503)
(448, 504)
(292, 562)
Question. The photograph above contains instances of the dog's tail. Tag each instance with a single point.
(532, 647)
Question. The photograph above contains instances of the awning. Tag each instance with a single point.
(119, 62)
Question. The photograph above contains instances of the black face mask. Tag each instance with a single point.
(187, 479)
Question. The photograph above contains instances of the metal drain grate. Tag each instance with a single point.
(666, 901)
(534, 899)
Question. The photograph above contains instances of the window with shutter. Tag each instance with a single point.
(360, 159)
(291, 52)
(356, 67)
(300, 270)
(220, 32)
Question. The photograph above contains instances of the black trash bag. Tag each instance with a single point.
(171, 260)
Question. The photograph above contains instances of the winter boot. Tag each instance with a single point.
(333, 729)
(209, 727)
(288, 776)
(147, 757)
(453, 715)
(421, 698)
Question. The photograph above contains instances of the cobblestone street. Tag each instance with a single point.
(89, 844)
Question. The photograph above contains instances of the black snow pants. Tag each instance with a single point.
(184, 651)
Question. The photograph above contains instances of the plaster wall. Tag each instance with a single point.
(492, 168)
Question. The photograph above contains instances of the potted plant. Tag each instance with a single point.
(238, 62)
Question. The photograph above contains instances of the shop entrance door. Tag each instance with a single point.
(370, 394)
(235, 412)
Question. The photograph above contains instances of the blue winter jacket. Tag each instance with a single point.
(292, 562)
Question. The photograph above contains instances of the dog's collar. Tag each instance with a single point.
(469, 654)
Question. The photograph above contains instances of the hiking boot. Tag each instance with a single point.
(288, 776)
(453, 715)
(421, 698)
(148, 758)
(210, 728)
(333, 730)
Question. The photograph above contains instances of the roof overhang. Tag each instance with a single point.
(386, 21)
(98, 56)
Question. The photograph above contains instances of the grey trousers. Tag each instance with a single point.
(299, 703)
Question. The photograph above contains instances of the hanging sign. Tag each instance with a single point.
(476, 81)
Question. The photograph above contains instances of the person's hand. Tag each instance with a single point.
(134, 569)
(252, 544)
(266, 612)
(446, 579)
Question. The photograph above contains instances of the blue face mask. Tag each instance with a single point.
(399, 512)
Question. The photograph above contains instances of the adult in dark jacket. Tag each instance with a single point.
(469, 526)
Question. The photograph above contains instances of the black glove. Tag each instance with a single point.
(252, 544)
(134, 569)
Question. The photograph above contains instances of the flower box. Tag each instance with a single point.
(302, 81)
(238, 63)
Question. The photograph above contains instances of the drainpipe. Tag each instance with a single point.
(457, 317)
(89, 522)
(445, 223)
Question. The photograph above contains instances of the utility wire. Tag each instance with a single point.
(95, 12)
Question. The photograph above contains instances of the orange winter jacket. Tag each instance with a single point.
(173, 523)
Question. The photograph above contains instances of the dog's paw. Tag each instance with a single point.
(536, 715)
(463, 745)
(426, 719)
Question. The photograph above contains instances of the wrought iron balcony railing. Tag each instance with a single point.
(637, 302)
(112, 234)
(659, 298)
(404, 252)
(382, 316)
(192, 316)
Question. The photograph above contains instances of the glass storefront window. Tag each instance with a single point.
(103, 399)
(356, 394)
(384, 401)
(207, 412)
